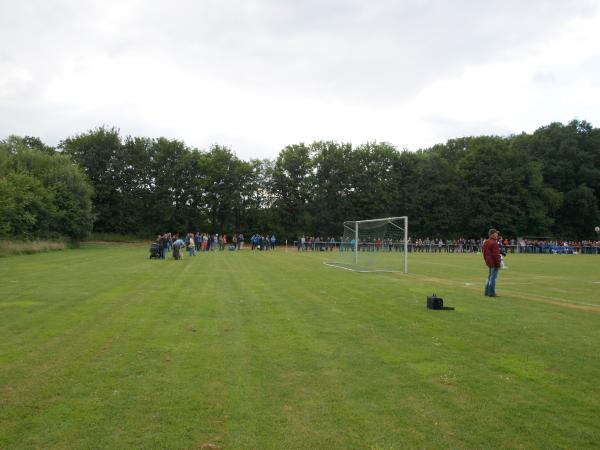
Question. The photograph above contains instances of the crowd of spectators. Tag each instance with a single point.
(194, 243)
(555, 246)
(198, 242)
(439, 245)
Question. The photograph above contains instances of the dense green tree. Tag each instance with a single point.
(98, 153)
(43, 193)
(293, 186)
(170, 173)
(26, 206)
(134, 194)
(14, 143)
(494, 178)
(374, 188)
(259, 196)
(408, 180)
(440, 195)
(333, 177)
(579, 213)
(228, 180)
(569, 157)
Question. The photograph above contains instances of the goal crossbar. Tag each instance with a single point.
(376, 220)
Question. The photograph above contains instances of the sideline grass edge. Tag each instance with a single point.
(10, 248)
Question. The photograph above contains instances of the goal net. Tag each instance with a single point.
(377, 245)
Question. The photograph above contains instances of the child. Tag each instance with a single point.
(502, 253)
(191, 245)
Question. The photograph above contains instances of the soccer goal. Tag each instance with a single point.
(376, 245)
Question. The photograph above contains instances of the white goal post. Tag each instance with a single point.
(374, 245)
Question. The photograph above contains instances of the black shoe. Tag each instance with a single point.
(493, 295)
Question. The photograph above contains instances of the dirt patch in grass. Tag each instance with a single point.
(209, 446)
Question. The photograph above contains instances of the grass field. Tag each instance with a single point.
(101, 347)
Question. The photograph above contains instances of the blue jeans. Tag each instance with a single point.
(490, 285)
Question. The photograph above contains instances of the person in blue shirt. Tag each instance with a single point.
(177, 246)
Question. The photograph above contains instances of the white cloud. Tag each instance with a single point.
(258, 75)
(545, 84)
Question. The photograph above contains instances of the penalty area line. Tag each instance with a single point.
(337, 266)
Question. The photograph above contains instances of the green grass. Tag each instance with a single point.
(101, 347)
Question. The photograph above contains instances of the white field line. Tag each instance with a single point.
(360, 271)
(532, 297)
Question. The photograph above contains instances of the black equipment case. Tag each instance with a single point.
(435, 302)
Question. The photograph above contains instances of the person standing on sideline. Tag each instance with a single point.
(191, 245)
(491, 255)
(162, 245)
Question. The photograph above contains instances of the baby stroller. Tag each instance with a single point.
(155, 250)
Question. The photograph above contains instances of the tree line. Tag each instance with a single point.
(542, 184)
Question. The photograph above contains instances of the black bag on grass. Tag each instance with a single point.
(435, 302)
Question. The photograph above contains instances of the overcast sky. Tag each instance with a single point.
(256, 75)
